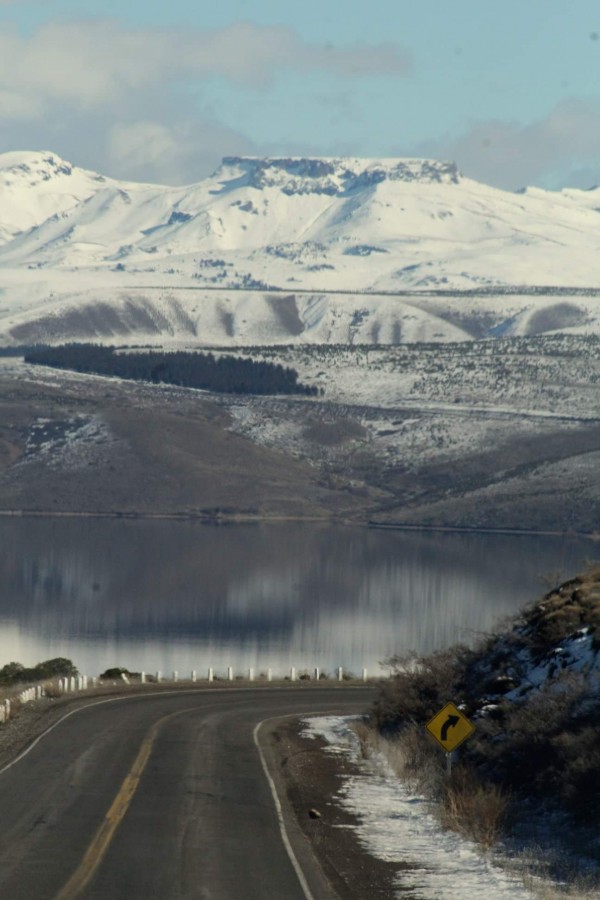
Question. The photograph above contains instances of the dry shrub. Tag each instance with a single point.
(539, 744)
(419, 687)
(550, 875)
(52, 690)
(578, 772)
(367, 737)
(592, 573)
(546, 890)
(473, 808)
(417, 759)
(559, 623)
(567, 607)
(411, 755)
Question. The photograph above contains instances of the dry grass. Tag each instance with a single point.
(573, 885)
(472, 808)
(545, 890)
(52, 690)
(534, 745)
(466, 805)
(475, 810)
(567, 607)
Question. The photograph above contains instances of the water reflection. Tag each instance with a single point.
(151, 594)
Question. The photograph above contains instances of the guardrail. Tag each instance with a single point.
(76, 684)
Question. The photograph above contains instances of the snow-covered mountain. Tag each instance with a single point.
(278, 250)
(37, 186)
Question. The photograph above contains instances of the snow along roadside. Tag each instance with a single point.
(395, 825)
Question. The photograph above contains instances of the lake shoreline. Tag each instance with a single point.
(219, 518)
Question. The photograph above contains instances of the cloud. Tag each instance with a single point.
(15, 105)
(144, 144)
(125, 100)
(561, 147)
(149, 150)
(96, 62)
(151, 144)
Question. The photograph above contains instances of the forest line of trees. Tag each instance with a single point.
(15, 673)
(226, 374)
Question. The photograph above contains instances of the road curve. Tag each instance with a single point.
(158, 796)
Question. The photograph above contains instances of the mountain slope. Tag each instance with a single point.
(35, 186)
(77, 248)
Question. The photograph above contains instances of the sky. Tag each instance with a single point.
(156, 91)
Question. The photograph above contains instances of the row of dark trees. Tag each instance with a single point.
(227, 374)
(15, 351)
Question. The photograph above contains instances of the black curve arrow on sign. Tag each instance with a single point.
(450, 722)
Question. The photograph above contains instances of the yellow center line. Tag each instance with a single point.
(101, 841)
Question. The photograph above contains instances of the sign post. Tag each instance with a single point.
(450, 727)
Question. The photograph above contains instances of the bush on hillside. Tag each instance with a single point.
(531, 691)
(116, 672)
(419, 687)
(15, 673)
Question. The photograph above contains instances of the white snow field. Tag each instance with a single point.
(291, 251)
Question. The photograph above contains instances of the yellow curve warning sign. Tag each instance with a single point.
(450, 727)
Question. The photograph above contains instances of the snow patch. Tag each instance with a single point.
(397, 825)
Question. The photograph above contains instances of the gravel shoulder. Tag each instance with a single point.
(307, 781)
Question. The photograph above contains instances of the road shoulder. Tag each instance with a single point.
(308, 779)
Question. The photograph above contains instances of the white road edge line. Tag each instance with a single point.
(284, 835)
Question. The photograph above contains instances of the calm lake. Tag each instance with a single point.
(154, 595)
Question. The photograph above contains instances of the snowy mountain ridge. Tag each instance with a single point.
(35, 186)
(335, 176)
(76, 246)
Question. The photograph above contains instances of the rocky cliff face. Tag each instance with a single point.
(335, 176)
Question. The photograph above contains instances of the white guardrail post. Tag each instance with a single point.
(83, 682)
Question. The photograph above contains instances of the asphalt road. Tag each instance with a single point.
(161, 796)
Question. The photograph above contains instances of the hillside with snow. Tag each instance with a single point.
(530, 689)
(516, 813)
(291, 250)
